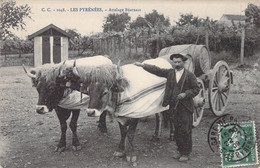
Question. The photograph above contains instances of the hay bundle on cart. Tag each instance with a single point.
(216, 81)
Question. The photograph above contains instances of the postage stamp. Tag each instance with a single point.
(238, 145)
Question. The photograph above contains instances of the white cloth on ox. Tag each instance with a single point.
(144, 96)
(89, 61)
(72, 100)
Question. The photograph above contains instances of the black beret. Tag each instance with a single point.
(178, 56)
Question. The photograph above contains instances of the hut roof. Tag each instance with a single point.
(235, 17)
(49, 27)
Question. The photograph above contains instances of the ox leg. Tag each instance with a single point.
(102, 122)
(63, 115)
(166, 118)
(73, 126)
(131, 157)
(121, 148)
(158, 122)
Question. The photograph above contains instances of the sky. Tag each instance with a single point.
(69, 14)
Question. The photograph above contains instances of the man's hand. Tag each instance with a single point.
(139, 64)
(181, 96)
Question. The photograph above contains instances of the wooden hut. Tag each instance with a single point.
(50, 45)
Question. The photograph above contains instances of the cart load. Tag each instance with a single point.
(199, 60)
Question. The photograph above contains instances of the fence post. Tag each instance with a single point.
(242, 46)
(124, 42)
(207, 39)
(119, 44)
(100, 45)
(136, 42)
(143, 42)
(129, 38)
(157, 43)
(92, 46)
(111, 45)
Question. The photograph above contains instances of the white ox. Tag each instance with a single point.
(141, 95)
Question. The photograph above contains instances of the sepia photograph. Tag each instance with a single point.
(128, 83)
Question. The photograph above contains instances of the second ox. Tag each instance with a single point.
(130, 93)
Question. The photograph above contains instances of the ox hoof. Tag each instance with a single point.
(131, 159)
(118, 154)
(60, 149)
(76, 148)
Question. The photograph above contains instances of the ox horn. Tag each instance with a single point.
(75, 71)
(60, 68)
(118, 65)
(28, 73)
(74, 63)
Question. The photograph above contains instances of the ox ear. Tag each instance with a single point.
(117, 88)
(120, 85)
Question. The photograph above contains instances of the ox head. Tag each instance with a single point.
(73, 78)
(102, 86)
(50, 85)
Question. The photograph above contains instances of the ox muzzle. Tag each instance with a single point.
(93, 112)
(42, 109)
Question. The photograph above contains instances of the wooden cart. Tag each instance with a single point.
(215, 82)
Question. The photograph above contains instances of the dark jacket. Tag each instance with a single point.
(190, 86)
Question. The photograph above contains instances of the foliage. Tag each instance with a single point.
(17, 45)
(78, 42)
(116, 22)
(189, 19)
(150, 20)
(253, 12)
(153, 32)
(155, 16)
(12, 17)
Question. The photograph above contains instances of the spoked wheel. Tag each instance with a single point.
(199, 102)
(219, 88)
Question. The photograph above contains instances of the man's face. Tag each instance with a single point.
(178, 63)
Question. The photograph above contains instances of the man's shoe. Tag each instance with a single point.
(184, 158)
(176, 156)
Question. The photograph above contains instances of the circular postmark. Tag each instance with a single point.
(213, 133)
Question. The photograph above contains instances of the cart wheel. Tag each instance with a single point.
(219, 87)
(199, 102)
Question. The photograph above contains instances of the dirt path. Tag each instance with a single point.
(28, 139)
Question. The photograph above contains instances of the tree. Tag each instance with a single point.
(75, 35)
(252, 13)
(78, 42)
(138, 22)
(186, 19)
(12, 17)
(116, 22)
(155, 16)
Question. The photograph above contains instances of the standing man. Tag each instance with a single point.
(181, 87)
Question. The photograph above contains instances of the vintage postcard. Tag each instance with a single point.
(122, 83)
